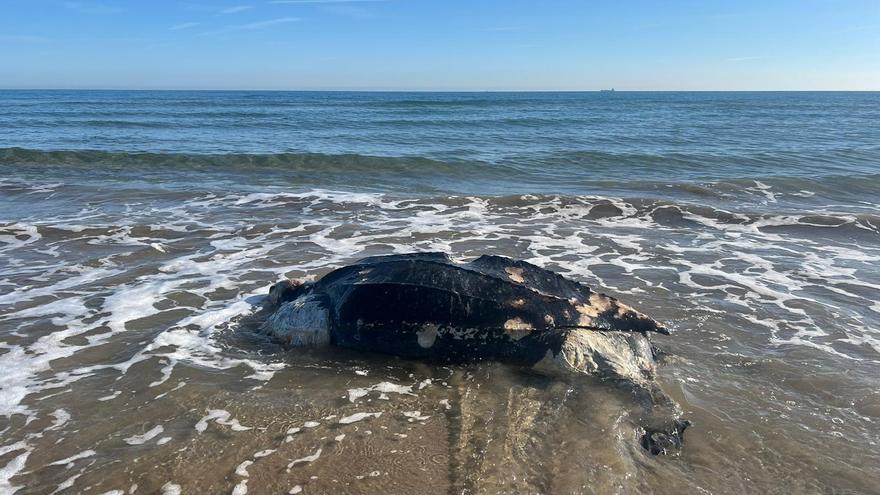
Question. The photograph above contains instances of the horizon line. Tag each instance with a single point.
(441, 90)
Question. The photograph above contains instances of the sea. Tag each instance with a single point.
(140, 232)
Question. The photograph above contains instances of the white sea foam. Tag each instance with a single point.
(241, 470)
(69, 462)
(111, 396)
(14, 466)
(171, 488)
(64, 485)
(415, 416)
(354, 418)
(383, 388)
(146, 437)
(61, 418)
(713, 263)
(240, 488)
(305, 460)
(222, 417)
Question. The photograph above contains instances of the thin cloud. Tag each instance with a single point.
(351, 11)
(745, 59)
(324, 1)
(23, 38)
(236, 9)
(647, 26)
(185, 25)
(252, 26)
(864, 27)
(92, 8)
(263, 24)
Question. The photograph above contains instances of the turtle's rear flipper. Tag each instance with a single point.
(665, 440)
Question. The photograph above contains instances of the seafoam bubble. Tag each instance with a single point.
(241, 469)
(305, 460)
(171, 488)
(64, 485)
(354, 418)
(61, 418)
(222, 417)
(69, 461)
(415, 416)
(112, 396)
(145, 437)
(382, 387)
(240, 488)
(14, 466)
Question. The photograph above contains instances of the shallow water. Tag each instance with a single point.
(130, 283)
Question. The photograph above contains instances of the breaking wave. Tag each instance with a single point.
(672, 176)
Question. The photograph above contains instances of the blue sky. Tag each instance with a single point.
(441, 44)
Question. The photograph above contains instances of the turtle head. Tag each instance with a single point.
(286, 290)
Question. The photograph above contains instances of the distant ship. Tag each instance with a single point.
(606, 90)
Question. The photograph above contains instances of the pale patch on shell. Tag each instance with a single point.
(515, 274)
(599, 303)
(587, 313)
(623, 310)
(517, 328)
(518, 303)
(427, 335)
(461, 333)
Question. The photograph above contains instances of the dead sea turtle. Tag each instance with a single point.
(425, 305)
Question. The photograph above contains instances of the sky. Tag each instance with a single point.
(441, 44)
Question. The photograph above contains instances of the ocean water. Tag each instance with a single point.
(139, 231)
